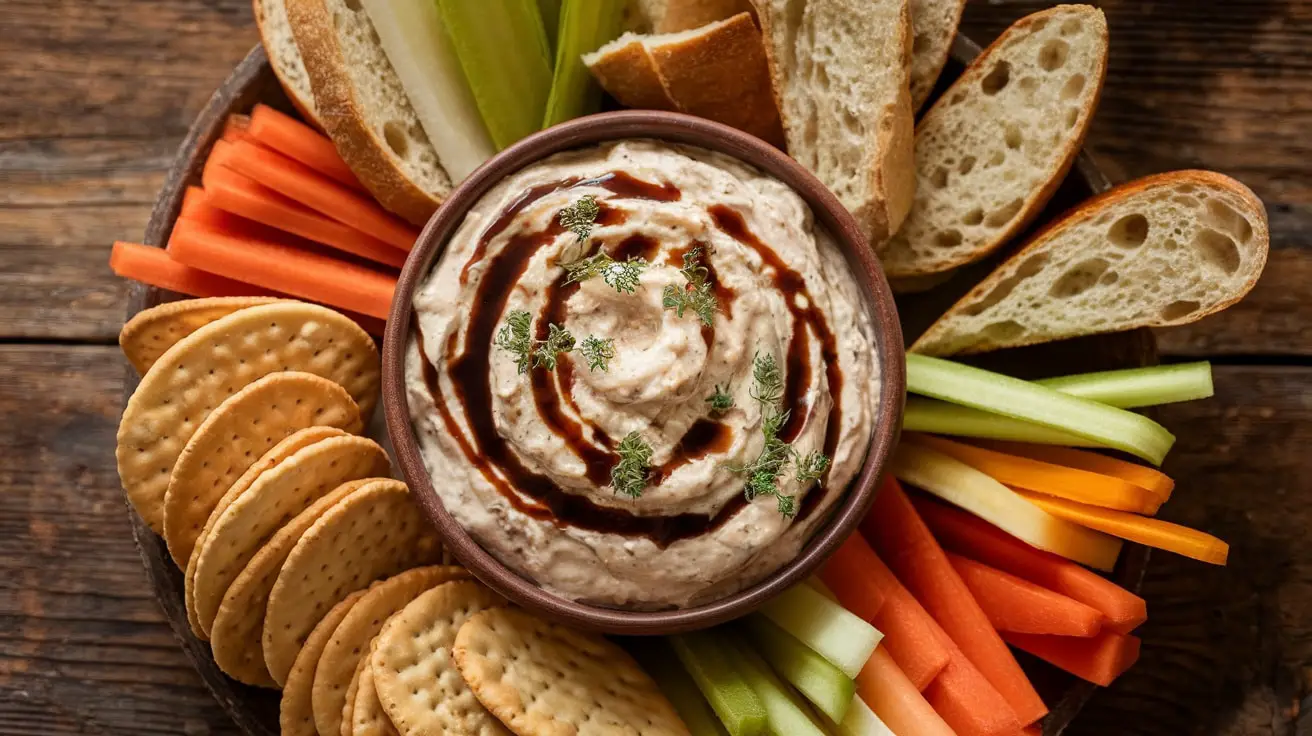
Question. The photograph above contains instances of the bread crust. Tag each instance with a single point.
(936, 55)
(1090, 209)
(303, 107)
(628, 73)
(683, 15)
(343, 116)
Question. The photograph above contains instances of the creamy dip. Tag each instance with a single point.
(523, 460)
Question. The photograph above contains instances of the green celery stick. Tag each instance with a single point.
(999, 394)
(836, 634)
(940, 417)
(711, 662)
(585, 26)
(823, 589)
(661, 663)
(1135, 387)
(822, 683)
(861, 721)
(550, 11)
(788, 714)
(502, 48)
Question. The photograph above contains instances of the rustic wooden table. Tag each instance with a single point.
(96, 94)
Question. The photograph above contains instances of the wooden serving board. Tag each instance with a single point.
(255, 711)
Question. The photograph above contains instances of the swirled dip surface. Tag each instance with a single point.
(523, 460)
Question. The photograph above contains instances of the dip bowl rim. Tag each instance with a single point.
(844, 516)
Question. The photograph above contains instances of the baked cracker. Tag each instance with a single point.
(295, 712)
(151, 332)
(367, 715)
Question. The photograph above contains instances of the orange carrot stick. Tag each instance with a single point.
(865, 586)
(968, 703)
(1019, 606)
(295, 139)
(304, 185)
(1047, 478)
(303, 274)
(1152, 479)
(236, 128)
(1149, 532)
(1100, 659)
(1034, 729)
(152, 266)
(904, 542)
(230, 191)
(972, 537)
(896, 700)
(193, 198)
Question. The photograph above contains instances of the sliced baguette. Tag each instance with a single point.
(364, 108)
(684, 15)
(933, 26)
(1163, 250)
(284, 57)
(626, 70)
(841, 70)
(994, 148)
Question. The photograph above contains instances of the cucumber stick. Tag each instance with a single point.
(822, 683)
(659, 662)
(1012, 397)
(585, 26)
(835, 633)
(712, 662)
(503, 51)
(787, 713)
(420, 49)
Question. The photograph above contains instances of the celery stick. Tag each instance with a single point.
(787, 713)
(661, 663)
(861, 721)
(1135, 387)
(994, 392)
(940, 417)
(835, 633)
(822, 683)
(712, 663)
(821, 588)
(585, 26)
(550, 12)
(502, 48)
(421, 51)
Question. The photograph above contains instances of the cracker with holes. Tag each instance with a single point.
(350, 640)
(272, 500)
(235, 435)
(280, 452)
(993, 149)
(345, 720)
(215, 362)
(544, 679)
(295, 712)
(150, 333)
(413, 670)
(373, 533)
(239, 623)
(368, 718)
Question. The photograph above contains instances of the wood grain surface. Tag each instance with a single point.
(96, 94)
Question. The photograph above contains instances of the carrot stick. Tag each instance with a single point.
(972, 537)
(230, 191)
(865, 586)
(896, 700)
(1034, 729)
(191, 199)
(304, 185)
(1100, 659)
(1152, 479)
(903, 541)
(296, 140)
(151, 265)
(1019, 606)
(1047, 478)
(968, 703)
(236, 128)
(303, 274)
(1149, 532)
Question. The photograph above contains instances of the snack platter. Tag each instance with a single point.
(427, 557)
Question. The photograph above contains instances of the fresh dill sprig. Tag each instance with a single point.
(629, 476)
(579, 217)
(513, 337)
(598, 352)
(720, 400)
(622, 276)
(697, 295)
(767, 382)
(811, 467)
(558, 341)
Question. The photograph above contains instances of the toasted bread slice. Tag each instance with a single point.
(996, 145)
(841, 70)
(284, 57)
(933, 26)
(684, 15)
(626, 70)
(364, 108)
(1163, 250)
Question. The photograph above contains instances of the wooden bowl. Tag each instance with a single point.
(255, 711)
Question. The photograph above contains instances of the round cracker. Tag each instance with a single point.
(277, 454)
(352, 692)
(150, 333)
(543, 679)
(367, 715)
(373, 533)
(235, 636)
(413, 672)
(235, 435)
(350, 640)
(215, 362)
(272, 500)
(295, 712)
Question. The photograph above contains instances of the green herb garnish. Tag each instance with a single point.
(721, 400)
(811, 467)
(513, 337)
(629, 476)
(558, 341)
(622, 276)
(579, 217)
(598, 352)
(697, 295)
